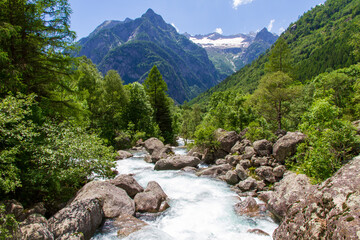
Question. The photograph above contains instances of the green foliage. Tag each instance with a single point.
(205, 137)
(191, 118)
(8, 224)
(259, 129)
(280, 59)
(330, 143)
(48, 161)
(273, 95)
(156, 88)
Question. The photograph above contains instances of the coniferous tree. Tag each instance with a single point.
(156, 89)
(280, 58)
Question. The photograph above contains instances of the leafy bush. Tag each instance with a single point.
(259, 129)
(330, 143)
(8, 224)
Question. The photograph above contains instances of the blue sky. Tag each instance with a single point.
(194, 16)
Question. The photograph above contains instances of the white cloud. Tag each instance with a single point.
(271, 23)
(281, 30)
(237, 3)
(172, 24)
(219, 31)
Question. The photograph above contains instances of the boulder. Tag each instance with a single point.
(128, 224)
(260, 185)
(257, 162)
(221, 161)
(330, 210)
(241, 172)
(226, 139)
(189, 169)
(266, 173)
(211, 155)
(152, 200)
(279, 171)
(160, 153)
(231, 177)
(263, 147)
(248, 153)
(128, 183)
(290, 189)
(239, 147)
(83, 216)
(115, 200)
(258, 232)
(121, 154)
(233, 159)
(177, 162)
(153, 143)
(15, 208)
(245, 164)
(247, 207)
(215, 171)
(248, 184)
(35, 227)
(286, 145)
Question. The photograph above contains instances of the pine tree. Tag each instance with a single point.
(280, 58)
(156, 89)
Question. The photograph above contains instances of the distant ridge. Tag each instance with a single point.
(132, 47)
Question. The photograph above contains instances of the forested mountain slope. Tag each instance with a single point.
(320, 41)
(133, 47)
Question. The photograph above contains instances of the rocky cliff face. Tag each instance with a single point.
(330, 210)
(133, 47)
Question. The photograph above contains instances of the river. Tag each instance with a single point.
(201, 208)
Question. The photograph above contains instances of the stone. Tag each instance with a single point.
(121, 154)
(221, 161)
(215, 171)
(233, 160)
(35, 227)
(83, 216)
(258, 232)
(258, 162)
(286, 145)
(263, 147)
(177, 162)
(330, 210)
(290, 189)
(128, 224)
(249, 152)
(152, 200)
(245, 164)
(260, 185)
(161, 153)
(247, 185)
(153, 143)
(211, 155)
(279, 171)
(189, 169)
(128, 183)
(236, 148)
(115, 200)
(241, 172)
(248, 207)
(231, 177)
(226, 139)
(266, 173)
(14, 207)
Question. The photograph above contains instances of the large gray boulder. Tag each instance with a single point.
(231, 177)
(83, 216)
(128, 225)
(241, 172)
(121, 154)
(290, 189)
(249, 184)
(248, 207)
(215, 171)
(35, 227)
(176, 162)
(286, 146)
(330, 210)
(152, 144)
(248, 153)
(266, 173)
(115, 200)
(152, 200)
(226, 139)
(128, 183)
(263, 147)
(159, 153)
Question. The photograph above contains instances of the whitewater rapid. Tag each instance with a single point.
(200, 208)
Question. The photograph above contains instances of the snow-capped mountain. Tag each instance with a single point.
(230, 53)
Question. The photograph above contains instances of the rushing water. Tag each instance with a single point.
(201, 208)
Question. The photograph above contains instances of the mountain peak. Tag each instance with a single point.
(149, 13)
(266, 36)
